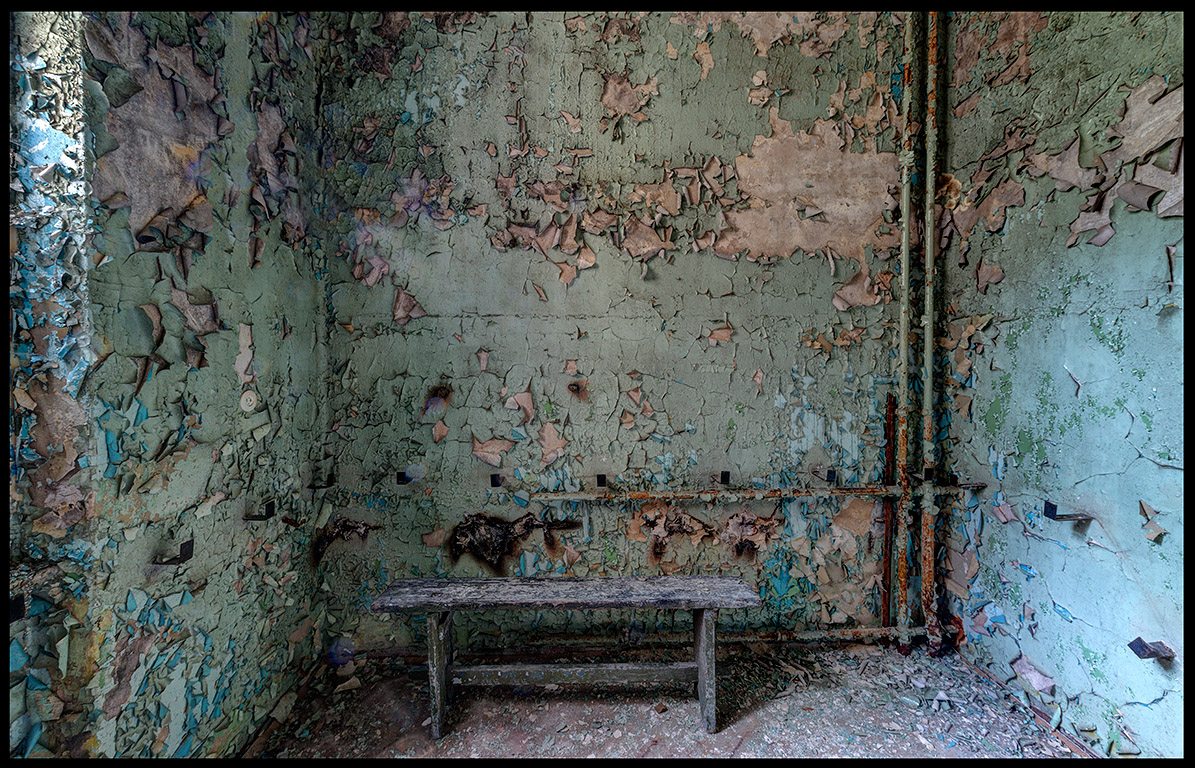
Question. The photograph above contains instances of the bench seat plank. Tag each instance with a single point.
(566, 593)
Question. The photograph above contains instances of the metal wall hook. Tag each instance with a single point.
(1154, 650)
(185, 551)
(267, 511)
(1051, 511)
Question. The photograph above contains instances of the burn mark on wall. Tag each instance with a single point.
(491, 539)
(657, 522)
(437, 400)
(341, 528)
(579, 389)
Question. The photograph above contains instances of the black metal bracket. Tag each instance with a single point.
(1155, 650)
(185, 551)
(829, 475)
(725, 477)
(267, 511)
(952, 480)
(601, 481)
(1051, 511)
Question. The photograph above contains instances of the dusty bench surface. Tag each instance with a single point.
(566, 593)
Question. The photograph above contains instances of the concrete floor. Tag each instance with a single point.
(773, 701)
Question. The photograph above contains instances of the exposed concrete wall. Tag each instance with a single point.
(648, 246)
(1066, 375)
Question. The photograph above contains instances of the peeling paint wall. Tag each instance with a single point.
(201, 394)
(1061, 350)
(208, 387)
(650, 246)
(49, 354)
(347, 290)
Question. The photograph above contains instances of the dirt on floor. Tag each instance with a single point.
(773, 701)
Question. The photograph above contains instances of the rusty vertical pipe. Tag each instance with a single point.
(886, 542)
(902, 405)
(928, 500)
(930, 242)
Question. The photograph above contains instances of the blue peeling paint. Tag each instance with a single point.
(17, 658)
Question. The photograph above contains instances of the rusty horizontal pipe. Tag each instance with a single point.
(732, 494)
(848, 633)
(752, 494)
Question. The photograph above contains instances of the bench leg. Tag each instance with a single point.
(439, 653)
(703, 630)
(449, 659)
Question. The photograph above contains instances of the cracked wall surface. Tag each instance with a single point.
(48, 357)
(1061, 349)
(199, 389)
(335, 272)
(208, 384)
(563, 248)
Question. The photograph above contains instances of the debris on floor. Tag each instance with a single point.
(773, 701)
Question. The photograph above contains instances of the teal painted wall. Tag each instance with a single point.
(654, 246)
(581, 201)
(1074, 386)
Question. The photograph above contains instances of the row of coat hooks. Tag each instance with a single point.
(602, 480)
(186, 550)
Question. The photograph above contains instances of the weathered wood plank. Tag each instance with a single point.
(566, 593)
(542, 674)
(439, 639)
(449, 658)
(703, 630)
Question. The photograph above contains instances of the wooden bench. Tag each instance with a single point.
(439, 597)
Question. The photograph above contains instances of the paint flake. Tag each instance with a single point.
(987, 274)
(721, 334)
(856, 292)
(522, 401)
(1004, 513)
(642, 241)
(245, 358)
(704, 58)
(406, 308)
(551, 443)
(1032, 675)
(574, 123)
(490, 451)
(856, 515)
(620, 98)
